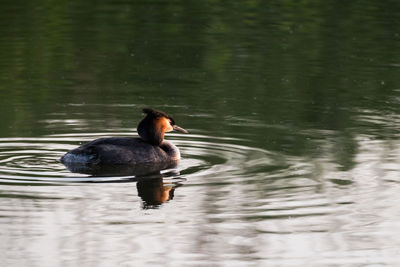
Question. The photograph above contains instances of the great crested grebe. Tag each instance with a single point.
(149, 148)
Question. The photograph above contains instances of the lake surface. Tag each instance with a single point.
(293, 155)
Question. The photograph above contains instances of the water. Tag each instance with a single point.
(293, 151)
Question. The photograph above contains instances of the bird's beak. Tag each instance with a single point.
(179, 129)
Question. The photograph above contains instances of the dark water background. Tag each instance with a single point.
(293, 109)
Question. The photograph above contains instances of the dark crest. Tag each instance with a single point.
(155, 114)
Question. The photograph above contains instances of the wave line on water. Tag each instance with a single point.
(38, 158)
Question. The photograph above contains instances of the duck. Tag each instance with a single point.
(149, 148)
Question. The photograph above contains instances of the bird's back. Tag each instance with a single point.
(121, 150)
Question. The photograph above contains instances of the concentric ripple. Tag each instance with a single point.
(36, 160)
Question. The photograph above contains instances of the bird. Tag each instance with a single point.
(149, 148)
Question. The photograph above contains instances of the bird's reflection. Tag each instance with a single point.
(154, 192)
(151, 185)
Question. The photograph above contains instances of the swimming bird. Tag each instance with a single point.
(150, 147)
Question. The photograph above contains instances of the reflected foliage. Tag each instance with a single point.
(286, 68)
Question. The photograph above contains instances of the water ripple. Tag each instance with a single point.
(35, 160)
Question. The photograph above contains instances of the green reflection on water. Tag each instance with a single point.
(274, 71)
(309, 87)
